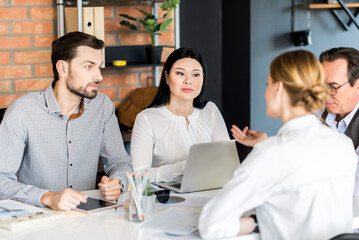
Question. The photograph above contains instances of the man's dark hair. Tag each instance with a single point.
(65, 48)
(163, 94)
(351, 55)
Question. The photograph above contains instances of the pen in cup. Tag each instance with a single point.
(133, 192)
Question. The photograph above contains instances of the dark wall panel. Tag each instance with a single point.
(220, 30)
(200, 28)
(236, 65)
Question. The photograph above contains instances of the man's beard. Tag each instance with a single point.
(81, 91)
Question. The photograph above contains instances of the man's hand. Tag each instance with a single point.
(66, 200)
(110, 188)
(247, 137)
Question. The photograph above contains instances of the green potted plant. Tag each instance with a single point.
(152, 25)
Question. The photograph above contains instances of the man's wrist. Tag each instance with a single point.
(121, 185)
(45, 198)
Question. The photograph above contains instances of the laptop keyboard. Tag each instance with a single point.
(176, 185)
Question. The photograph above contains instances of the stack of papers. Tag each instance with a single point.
(16, 216)
(173, 222)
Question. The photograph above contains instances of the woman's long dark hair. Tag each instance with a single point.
(163, 95)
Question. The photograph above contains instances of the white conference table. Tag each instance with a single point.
(110, 224)
(114, 224)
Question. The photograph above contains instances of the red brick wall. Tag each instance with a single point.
(27, 28)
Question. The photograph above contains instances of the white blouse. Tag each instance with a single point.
(161, 140)
(300, 182)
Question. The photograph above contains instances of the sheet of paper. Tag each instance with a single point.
(165, 236)
(174, 221)
(10, 208)
(195, 235)
(194, 200)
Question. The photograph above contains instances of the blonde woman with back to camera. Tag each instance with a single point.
(299, 183)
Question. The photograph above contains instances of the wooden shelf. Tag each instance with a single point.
(135, 55)
(100, 2)
(327, 5)
(334, 8)
(133, 65)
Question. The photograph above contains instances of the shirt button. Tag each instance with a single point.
(60, 116)
(70, 186)
(69, 141)
(70, 164)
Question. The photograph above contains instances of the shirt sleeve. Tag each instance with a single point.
(250, 186)
(114, 158)
(220, 132)
(13, 140)
(220, 216)
(356, 189)
(142, 144)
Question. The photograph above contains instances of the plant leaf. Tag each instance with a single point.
(169, 4)
(128, 17)
(128, 24)
(151, 25)
(146, 14)
(165, 24)
(167, 13)
(150, 22)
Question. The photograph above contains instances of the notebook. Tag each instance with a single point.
(17, 216)
(209, 166)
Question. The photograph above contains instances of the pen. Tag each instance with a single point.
(12, 210)
(145, 180)
(134, 195)
(138, 183)
(27, 216)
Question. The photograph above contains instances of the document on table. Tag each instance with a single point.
(16, 216)
(10, 209)
(192, 200)
(174, 221)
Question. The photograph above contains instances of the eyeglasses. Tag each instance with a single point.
(332, 90)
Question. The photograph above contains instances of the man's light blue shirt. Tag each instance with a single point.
(342, 127)
(344, 123)
(42, 150)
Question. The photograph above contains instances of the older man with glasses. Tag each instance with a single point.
(341, 67)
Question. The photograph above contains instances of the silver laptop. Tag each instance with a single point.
(209, 166)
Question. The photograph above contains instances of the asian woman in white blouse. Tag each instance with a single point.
(300, 181)
(177, 118)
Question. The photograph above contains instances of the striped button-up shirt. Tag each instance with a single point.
(43, 150)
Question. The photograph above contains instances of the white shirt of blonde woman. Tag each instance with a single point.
(299, 182)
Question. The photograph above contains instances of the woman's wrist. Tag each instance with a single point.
(254, 217)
